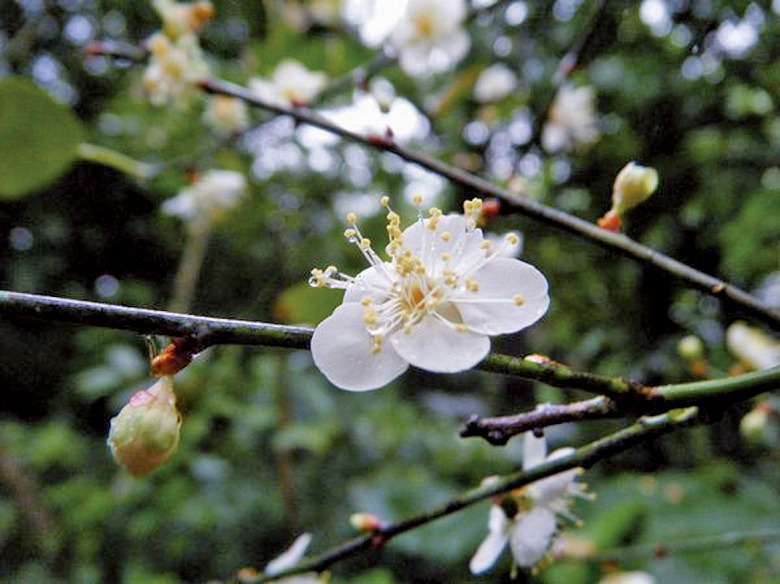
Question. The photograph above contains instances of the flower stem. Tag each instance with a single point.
(117, 161)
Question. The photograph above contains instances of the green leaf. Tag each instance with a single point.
(302, 304)
(39, 138)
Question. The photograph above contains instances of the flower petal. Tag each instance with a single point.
(342, 350)
(534, 450)
(434, 345)
(463, 245)
(490, 549)
(372, 282)
(290, 557)
(531, 535)
(491, 310)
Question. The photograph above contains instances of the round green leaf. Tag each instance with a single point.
(39, 138)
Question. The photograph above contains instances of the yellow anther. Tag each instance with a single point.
(385, 201)
(351, 218)
(446, 256)
(435, 212)
(518, 299)
(512, 238)
(418, 200)
(408, 328)
(485, 244)
(365, 243)
(461, 328)
(446, 236)
(472, 285)
(350, 233)
(370, 317)
(366, 301)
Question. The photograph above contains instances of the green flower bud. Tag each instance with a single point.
(633, 185)
(145, 434)
(690, 347)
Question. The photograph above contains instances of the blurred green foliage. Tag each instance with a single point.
(269, 449)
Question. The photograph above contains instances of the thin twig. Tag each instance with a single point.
(631, 397)
(533, 209)
(584, 457)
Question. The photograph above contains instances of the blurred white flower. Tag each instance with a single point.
(207, 198)
(289, 559)
(182, 18)
(433, 305)
(527, 519)
(173, 70)
(430, 37)
(752, 346)
(290, 84)
(494, 83)
(572, 122)
(635, 577)
(227, 116)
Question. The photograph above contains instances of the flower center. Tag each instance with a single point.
(424, 25)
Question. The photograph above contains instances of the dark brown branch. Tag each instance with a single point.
(531, 208)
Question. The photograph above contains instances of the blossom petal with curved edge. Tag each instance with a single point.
(530, 537)
(491, 309)
(342, 350)
(290, 557)
(552, 491)
(435, 346)
(490, 549)
(534, 450)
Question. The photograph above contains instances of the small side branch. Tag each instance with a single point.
(499, 430)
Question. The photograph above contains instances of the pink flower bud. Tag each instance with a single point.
(365, 522)
(145, 433)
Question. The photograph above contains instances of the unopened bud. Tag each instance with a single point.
(365, 522)
(145, 433)
(633, 185)
(690, 347)
(758, 426)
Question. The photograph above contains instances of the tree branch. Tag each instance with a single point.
(531, 208)
(584, 457)
(629, 396)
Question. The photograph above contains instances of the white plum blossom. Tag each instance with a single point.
(527, 519)
(494, 83)
(290, 558)
(572, 121)
(205, 201)
(227, 116)
(182, 18)
(290, 84)
(752, 346)
(175, 66)
(429, 37)
(434, 304)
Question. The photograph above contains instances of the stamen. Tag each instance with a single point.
(518, 299)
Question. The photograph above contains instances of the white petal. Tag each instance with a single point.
(531, 535)
(490, 549)
(370, 282)
(462, 245)
(434, 345)
(534, 450)
(342, 350)
(491, 310)
(291, 557)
